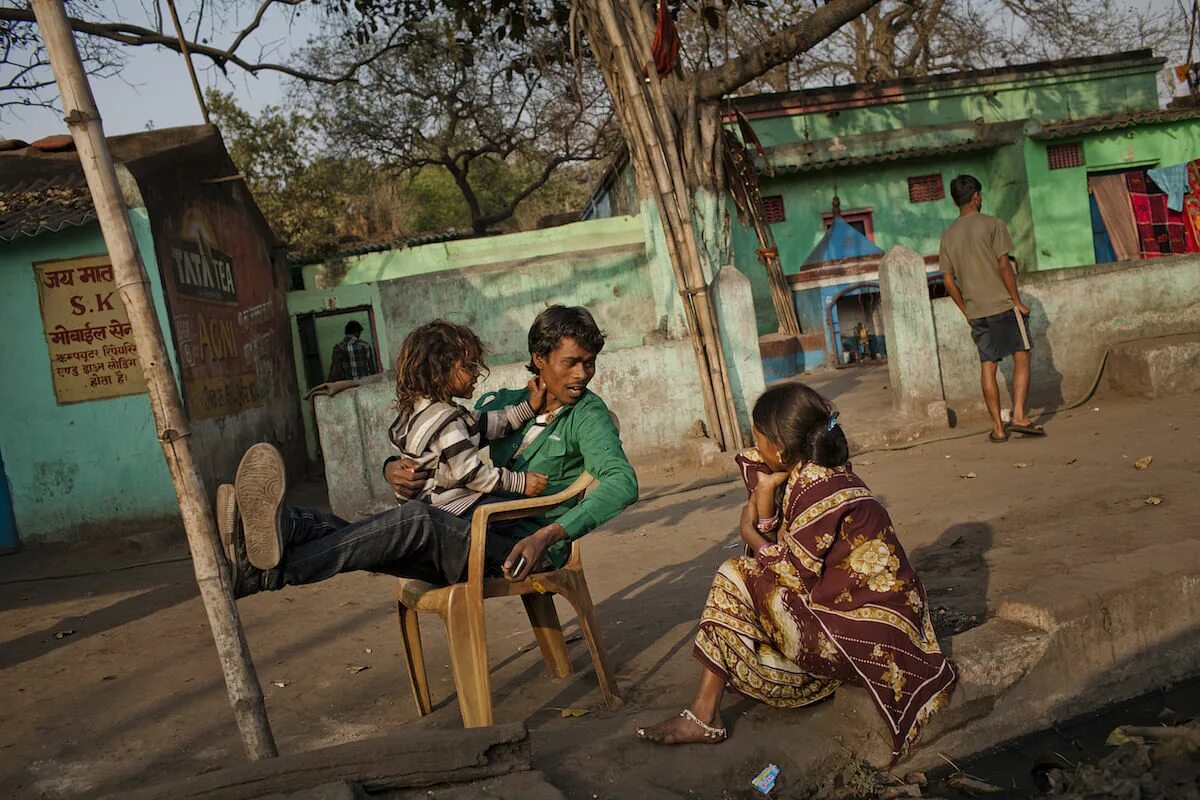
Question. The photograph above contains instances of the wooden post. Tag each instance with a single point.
(650, 129)
(212, 574)
(187, 59)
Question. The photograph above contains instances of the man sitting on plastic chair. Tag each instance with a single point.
(271, 545)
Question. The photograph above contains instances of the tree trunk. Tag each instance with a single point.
(673, 146)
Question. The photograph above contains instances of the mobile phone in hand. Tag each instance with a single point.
(518, 565)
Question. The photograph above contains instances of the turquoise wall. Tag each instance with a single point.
(884, 189)
(1048, 96)
(1059, 198)
(96, 463)
(423, 259)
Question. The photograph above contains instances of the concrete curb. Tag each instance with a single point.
(1025, 669)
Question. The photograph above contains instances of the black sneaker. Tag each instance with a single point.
(260, 485)
(246, 578)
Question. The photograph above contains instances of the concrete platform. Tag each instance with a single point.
(1153, 368)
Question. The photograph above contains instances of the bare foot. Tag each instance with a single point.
(685, 729)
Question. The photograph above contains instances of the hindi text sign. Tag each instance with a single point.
(92, 352)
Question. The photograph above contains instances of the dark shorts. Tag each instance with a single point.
(1001, 335)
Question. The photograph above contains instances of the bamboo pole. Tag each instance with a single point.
(212, 575)
(641, 133)
(660, 143)
(187, 59)
(676, 169)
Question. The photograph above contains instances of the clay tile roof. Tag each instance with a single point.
(12, 144)
(59, 143)
(1079, 127)
(30, 208)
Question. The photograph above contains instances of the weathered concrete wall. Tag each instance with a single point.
(405, 262)
(498, 302)
(1076, 314)
(653, 390)
(90, 467)
(734, 302)
(908, 324)
(1153, 368)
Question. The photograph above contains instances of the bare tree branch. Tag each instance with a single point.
(139, 36)
(784, 45)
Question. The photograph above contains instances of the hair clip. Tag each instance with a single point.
(833, 421)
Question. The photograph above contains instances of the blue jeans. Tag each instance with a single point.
(413, 540)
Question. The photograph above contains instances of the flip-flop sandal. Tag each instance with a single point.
(1027, 430)
(994, 439)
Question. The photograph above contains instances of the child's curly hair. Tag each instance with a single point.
(427, 360)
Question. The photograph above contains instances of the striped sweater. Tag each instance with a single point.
(446, 438)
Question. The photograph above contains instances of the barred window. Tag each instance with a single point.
(1064, 156)
(773, 208)
(924, 188)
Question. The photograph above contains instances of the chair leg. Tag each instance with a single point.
(548, 630)
(466, 638)
(581, 599)
(414, 658)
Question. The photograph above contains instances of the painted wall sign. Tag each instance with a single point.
(92, 353)
(220, 320)
(203, 272)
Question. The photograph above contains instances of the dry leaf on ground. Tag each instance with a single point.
(356, 668)
(1020, 465)
(1143, 463)
(573, 712)
(1154, 500)
(968, 475)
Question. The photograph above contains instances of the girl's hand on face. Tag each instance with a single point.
(537, 394)
(771, 481)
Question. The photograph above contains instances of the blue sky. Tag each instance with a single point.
(153, 89)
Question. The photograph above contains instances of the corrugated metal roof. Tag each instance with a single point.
(48, 205)
(1078, 127)
(899, 154)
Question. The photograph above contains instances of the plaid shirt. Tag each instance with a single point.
(356, 357)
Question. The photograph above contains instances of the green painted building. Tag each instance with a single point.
(1035, 135)
(79, 455)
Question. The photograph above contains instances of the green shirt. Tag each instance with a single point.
(581, 437)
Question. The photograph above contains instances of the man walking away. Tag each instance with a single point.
(353, 358)
(983, 283)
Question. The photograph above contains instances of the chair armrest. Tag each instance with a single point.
(513, 509)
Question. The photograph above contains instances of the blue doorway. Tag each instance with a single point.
(8, 526)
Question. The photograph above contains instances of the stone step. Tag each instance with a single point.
(1158, 367)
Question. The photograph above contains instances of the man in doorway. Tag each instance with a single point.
(271, 545)
(983, 283)
(353, 359)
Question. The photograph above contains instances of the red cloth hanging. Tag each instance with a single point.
(1161, 231)
(666, 46)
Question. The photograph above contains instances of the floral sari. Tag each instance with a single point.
(834, 600)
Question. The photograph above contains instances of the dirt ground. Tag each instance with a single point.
(111, 680)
